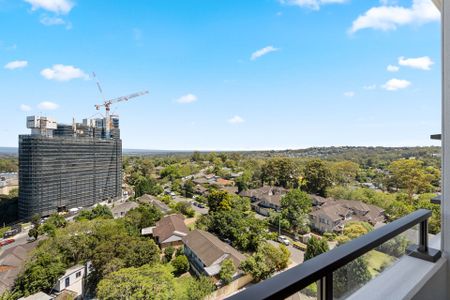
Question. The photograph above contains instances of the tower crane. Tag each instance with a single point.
(107, 104)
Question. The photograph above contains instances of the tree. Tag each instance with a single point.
(238, 225)
(185, 208)
(188, 188)
(144, 283)
(196, 156)
(280, 172)
(345, 172)
(168, 253)
(52, 223)
(395, 247)
(180, 264)
(100, 211)
(267, 260)
(147, 185)
(195, 289)
(243, 182)
(123, 251)
(315, 247)
(411, 176)
(33, 232)
(317, 176)
(57, 220)
(219, 200)
(41, 271)
(227, 270)
(142, 216)
(295, 206)
(350, 277)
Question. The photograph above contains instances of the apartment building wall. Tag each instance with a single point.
(67, 172)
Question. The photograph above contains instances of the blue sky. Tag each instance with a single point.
(227, 74)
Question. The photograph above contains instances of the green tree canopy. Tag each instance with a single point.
(317, 177)
(350, 277)
(219, 200)
(295, 206)
(315, 247)
(280, 171)
(411, 176)
(227, 271)
(144, 283)
(267, 260)
(180, 264)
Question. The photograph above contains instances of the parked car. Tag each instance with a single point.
(200, 205)
(13, 231)
(284, 240)
(6, 242)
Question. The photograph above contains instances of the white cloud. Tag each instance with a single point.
(262, 52)
(47, 105)
(51, 21)
(392, 68)
(396, 84)
(63, 73)
(186, 99)
(24, 107)
(370, 87)
(349, 94)
(311, 4)
(387, 17)
(16, 64)
(422, 63)
(56, 6)
(236, 120)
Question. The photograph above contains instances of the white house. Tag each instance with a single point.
(72, 281)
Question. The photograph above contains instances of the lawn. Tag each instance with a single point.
(377, 261)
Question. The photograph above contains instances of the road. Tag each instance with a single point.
(297, 255)
(20, 239)
(202, 211)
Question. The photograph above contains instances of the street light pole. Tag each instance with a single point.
(279, 223)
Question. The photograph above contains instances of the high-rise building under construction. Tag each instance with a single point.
(66, 166)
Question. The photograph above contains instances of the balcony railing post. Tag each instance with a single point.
(423, 236)
(325, 287)
(422, 250)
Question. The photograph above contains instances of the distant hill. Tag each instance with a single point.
(8, 151)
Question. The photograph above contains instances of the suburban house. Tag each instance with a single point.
(152, 200)
(12, 261)
(206, 253)
(332, 215)
(72, 282)
(200, 190)
(318, 200)
(38, 296)
(224, 182)
(121, 209)
(169, 231)
(265, 198)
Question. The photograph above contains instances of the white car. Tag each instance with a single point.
(284, 240)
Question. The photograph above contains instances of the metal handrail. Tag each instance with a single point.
(321, 267)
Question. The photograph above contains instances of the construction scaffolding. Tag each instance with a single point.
(68, 169)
